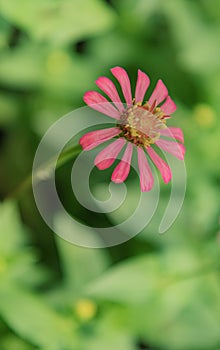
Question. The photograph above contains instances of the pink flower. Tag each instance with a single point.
(139, 125)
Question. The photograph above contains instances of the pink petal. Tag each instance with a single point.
(96, 101)
(121, 75)
(108, 155)
(159, 94)
(107, 86)
(162, 166)
(122, 170)
(168, 107)
(146, 176)
(142, 85)
(176, 133)
(172, 147)
(95, 138)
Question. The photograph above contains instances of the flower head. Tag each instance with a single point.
(140, 125)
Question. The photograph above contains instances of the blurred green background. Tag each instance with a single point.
(155, 291)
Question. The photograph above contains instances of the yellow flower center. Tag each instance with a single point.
(142, 124)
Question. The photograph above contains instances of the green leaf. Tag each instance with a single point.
(138, 279)
(186, 315)
(11, 342)
(80, 265)
(197, 39)
(11, 230)
(32, 319)
(109, 340)
(129, 282)
(17, 260)
(171, 293)
(8, 109)
(110, 331)
(58, 22)
(21, 68)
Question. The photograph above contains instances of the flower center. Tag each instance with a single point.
(142, 124)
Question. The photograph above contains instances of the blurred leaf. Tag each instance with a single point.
(200, 60)
(135, 14)
(17, 262)
(211, 10)
(204, 216)
(66, 75)
(21, 68)
(197, 39)
(80, 265)
(8, 109)
(58, 22)
(110, 331)
(171, 293)
(11, 342)
(33, 320)
(147, 273)
(109, 340)
(4, 32)
(11, 231)
(186, 315)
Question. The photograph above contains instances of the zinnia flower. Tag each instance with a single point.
(140, 126)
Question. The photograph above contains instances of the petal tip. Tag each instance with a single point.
(167, 179)
(116, 180)
(145, 188)
(116, 69)
(88, 96)
(169, 106)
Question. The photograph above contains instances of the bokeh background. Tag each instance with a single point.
(154, 291)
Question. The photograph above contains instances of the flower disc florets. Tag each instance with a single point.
(141, 125)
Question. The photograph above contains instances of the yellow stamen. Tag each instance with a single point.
(141, 125)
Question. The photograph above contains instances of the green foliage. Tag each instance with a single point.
(161, 289)
(33, 320)
(58, 22)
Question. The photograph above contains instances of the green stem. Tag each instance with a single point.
(44, 171)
